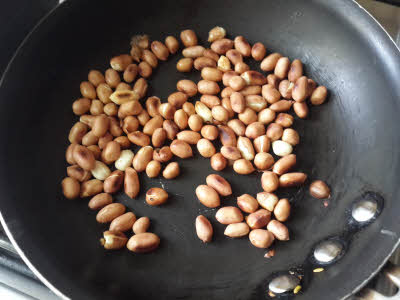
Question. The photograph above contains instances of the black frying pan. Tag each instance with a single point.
(352, 142)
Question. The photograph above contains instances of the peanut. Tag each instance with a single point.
(143, 242)
(267, 200)
(319, 95)
(172, 44)
(282, 210)
(188, 136)
(242, 46)
(193, 51)
(204, 229)
(113, 240)
(269, 181)
(269, 63)
(195, 122)
(281, 105)
(258, 219)
(185, 64)
(121, 62)
(70, 187)
(156, 196)
(262, 144)
(237, 126)
(245, 147)
(263, 161)
(96, 77)
(81, 106)
(222, 45)
(211, 73)
(282, 67)
(219, 184)
(270, 93)
(153, 168)
(162, 155)
(295, 71)
(292, 179)
(181, 149)
(216, 33)
(123, 222)
(158, 138)
(203, 62)
(114, 182)
(279, 230)
(211, 54)
(301, 109)
(111, 152)
(256, 102)
(83, 157)
(319, 189)
(77, 132)
(285, 120)
(258, 51)
(299, 92)
(141, 225)
(112, 78)
(247, 203)
(187, 86)
(234, 56)
(218, 162)
(171, 171)
(177, 99)
(243, 166)
(142, 158)
(91, 188)
(139, 138)
(208, 196)
(110, 212)
(130, 73)
(237, 230)
(254, 130)
(229, 215)
(261, 238)
(99, 201)
(188, 38)
(274, 131)
(160, 50)
(131, 183)
(248, 116)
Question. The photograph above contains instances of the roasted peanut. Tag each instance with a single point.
(281, 148)
(279, 230)
(152, 105)
(299, 92)
(110, 109)
(281, 105)
(261, 238)
(123, 141)
(266, 116)
(111, 152)
(256, 102)
(142, 158)
(269, 63)
(263, 161)
(291, 136)
(172, 44)
(187, 86)
(247, 203)
(104, 92)
(122, 86)
(95, 150)
(258, 51)
(120, 62)
(269, 181)
(185, 64)
(141, 225)
(229, 215)
(87, 120)
(70, 187)
(88, 90)
(96, 107)
(83, 157)
(90, 188)
(104, 140)
(171, 171)
(100, 125)
(237, 126)
(144, 69)
(181, 119)
(156, 196)
(220, 114)
(143, 242)
(153, 169)
(124, 96)
(114, 182)
(205, 148)
(160, 50)
(286, 88)
(231, 152)
(242, 46)
(210, 132)
(216, 33)
(204, 229)
(226, 77)
(100, 170)
(130, 124)
(139, 138)
(319, 189)
(123, 222)
(140, 87)
(270, 93)
(167, 110)
(301, 109)
(243, 166)
(219, 184)
(188, 108)
(193, 51)
(162, 155)
(282, 67)
(248, 116)
(224, 64)
(284, 164)
(114, 127)
(285, 120)
(195, 122)
(319, 95)
(295, 71)
(241, 67)
(254, 78)
(237, 83)
(202, 62)
(130, 73)
(211, 73)
(177, 99)
(234, 56)
(258, 219)
(227, 136)
(274, 131)
(81, 106)
(221, 46)
(292, 179)
(112, 78)
(218, 162)
(226, 103)
(152, 125)
(255, 130)
(89, 139)
(77, 132)
(188, 38)
(211, 54)
(78, 173)
(282, 210)
(208, 87)
(210, 100)
(113, 240)
(208, 196)
(181, 149)
(188, 136)
(131, 183)
(267, 200)
(203, 111)
(99, 201)
(245, 147)
(237, 230)
(158, 138)
(96, 77)
(171, 128)
(143, 117)
(262, 144)
(227, 92)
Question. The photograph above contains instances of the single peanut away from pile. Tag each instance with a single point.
(250, 116)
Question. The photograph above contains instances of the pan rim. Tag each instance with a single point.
(20, 250)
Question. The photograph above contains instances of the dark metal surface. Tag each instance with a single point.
(350, 142)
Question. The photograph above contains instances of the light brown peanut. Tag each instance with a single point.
(77, 132)
(282, 210)
(262, 144)
(100, 125)
(171, 128)
(177, 99)
(219, 184)
(96, 77)
(269, 181)
(255, 130)
(218, 162)
(210, 100)
(279, 230)
(114, 127)
(319, 189)
(211, 73)
(226, 77)
(181, 119)
(267, 200)
(258, 219)
(156, 196)
(188, 136)
(162, 155)
(248, 116)
(158, 138)
(112, 78)
(171, 171)
(208, 87)
(131, 182)
(100, 170)
(247, 203)
(123, 141)
(167, 110)
(281, 105)
(78, 173)
(141, 225)
(254, 78)
(160, 50)
(205, 148)
(89, 139)
(234, 56)
(83, 157)
(81, 106)
(220, 114)
(188, 38)
(130, 73)
(243, 166)
(111, 152)
(291, 136)
(110, 212)
(227, 136)
(104, 140)
(231, 152)
(274, 131)
(195, 122)
(123, 222)
(266, 116)
(273, 80)
(152, 106)
(99, 201)
(245, 147)
(130, 124)
(193, 51)
(299, 92)
(292, 179)
(258, 51)
(237, 126)
(96, 107)
(87, 120)
(95, 150)
(242, 46)
(256, 102)
(113, 240)
(282, 67)
(153, 169)
(286, 88)
(237, 230)
(131, 108)
(319, 95)
(70, 187)
(222, 45)
(189, 108)
(229, 215)
(216, 33)
(143, 117)
(211, 54)
(140, 87)
(139, 138)
(237, 83)
(88, 90)
(187, 86)
(269, 63)
(295, 71)
(172, 44)
(184, 64)
(281, 148)
(241, 67)
(270, 93)
(208, 196)
(202, 62)
(204, 229)
(181, 149)
(261, 238)
(142, 158)
(144, 69)
(227, 92)
(210, 132)
(143, 242)
(301, 109)
(285, 120)
(263, 161)
(114, 182)
(284, 164)
(104, 92)
(90, 188)
(152, 125)
(120, 62)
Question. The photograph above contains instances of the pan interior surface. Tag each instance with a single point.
(350, 142)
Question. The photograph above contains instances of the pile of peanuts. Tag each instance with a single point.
(248, 116)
